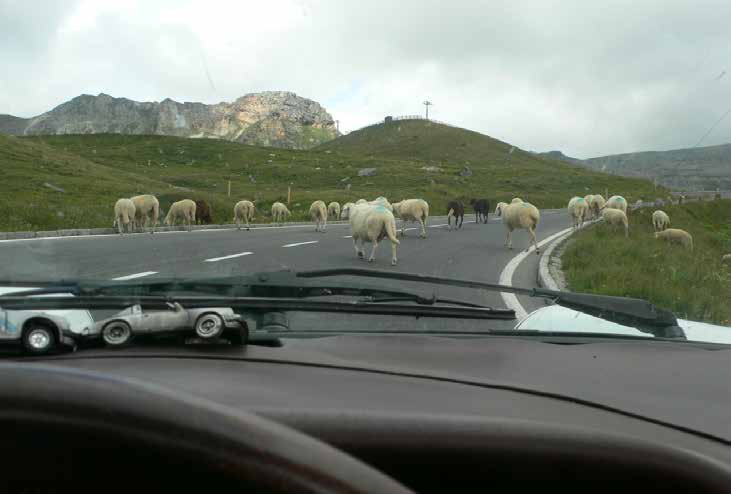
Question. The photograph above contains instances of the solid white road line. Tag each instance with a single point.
(506, 277)
(133, 276)
(301, 243)
(215, 259)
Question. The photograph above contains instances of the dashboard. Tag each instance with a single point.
(452, 414)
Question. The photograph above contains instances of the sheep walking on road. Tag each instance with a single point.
(381, 201)
(183, 210)
(589, 212)
(416, 210)
(345, 211)
(372, 224)
(279, 212)
(481, 208)
(677, 236)
(244, 210)
(519, 215)
(617, 202)
(124, 215)
(333, 210)
(148, 207)
(455, 209)
(616, 217)
(660, 220)
(318, 213)
(578, 208)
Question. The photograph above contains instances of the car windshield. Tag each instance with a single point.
(190, 165)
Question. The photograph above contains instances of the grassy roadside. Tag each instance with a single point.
(694, 285)
(95, 170)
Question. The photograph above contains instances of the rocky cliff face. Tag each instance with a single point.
(272, 118)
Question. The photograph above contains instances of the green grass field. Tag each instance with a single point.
(695, 285)
(96, 170)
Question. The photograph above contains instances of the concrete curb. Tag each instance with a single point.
(545, 278)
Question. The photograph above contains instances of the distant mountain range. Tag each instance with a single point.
(270, 118)
(704, 168)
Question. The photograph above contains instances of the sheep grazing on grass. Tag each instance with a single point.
(455, 209)
(519, 215)
(726, 259)
(318, 213)
(616, 217)
(412, 210)
(369, 223)
(676, 236)
(148, 207)
(203, 212)
(279, 212)
(597, 204)
(124, 215)
(184, 210)
(481, 208)
(617, 202)
(345, 211)
(333, 209)
(589, 213)
(660, 220)
(244, 210)
(577, 209)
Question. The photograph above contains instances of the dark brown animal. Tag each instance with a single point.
(482, 209)
(203, 213)
(456, 209)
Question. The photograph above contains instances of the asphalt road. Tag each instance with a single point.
(474, 252)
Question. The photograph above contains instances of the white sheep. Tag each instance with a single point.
(318, 213)
(345, 211)
(577, 209)
(597, 204)
(660, 220)
(124, 215)
(148, 207)
(381, 201)
(185, 210)
(617, 202)
(726, 259)
(369, 223)
(333, 209)
(244, 210)
(589, 212)
(279, 212)
(412, 210)
(616, 217)
(360, 201)
(676, 235)
(516, 200)
(519, 215)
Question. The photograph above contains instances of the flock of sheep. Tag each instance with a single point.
(372, 221)
(614, 212)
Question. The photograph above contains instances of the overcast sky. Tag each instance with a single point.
(587, 78)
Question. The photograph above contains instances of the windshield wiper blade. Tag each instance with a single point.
(251, 304)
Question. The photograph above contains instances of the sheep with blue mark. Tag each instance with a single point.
(577, 208)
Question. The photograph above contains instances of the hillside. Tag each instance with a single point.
(271, 118)
(704, 168)
(95, 170)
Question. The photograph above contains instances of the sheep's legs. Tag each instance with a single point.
(373, 250)
(532, 232)
(358, 249)
(423, 228)
(509, 239)
(393, 253)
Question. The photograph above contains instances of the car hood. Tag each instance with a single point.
(558, 318)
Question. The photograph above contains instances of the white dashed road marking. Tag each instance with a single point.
(301, 243)
(133, 276)
(437, 226)
(215, 259)
(348, 236)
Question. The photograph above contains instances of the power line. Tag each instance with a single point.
(712, 127)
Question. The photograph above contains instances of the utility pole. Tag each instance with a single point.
(427, 104)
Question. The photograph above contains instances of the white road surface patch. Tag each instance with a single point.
(348, 236)
(216, 259)
(506, 277)
(133, 276)
(301, 243)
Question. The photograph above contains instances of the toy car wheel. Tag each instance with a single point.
(116, 333)
(209, 325)
(39, 338)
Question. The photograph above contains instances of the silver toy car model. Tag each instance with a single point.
(42, 331)
(206, 323)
